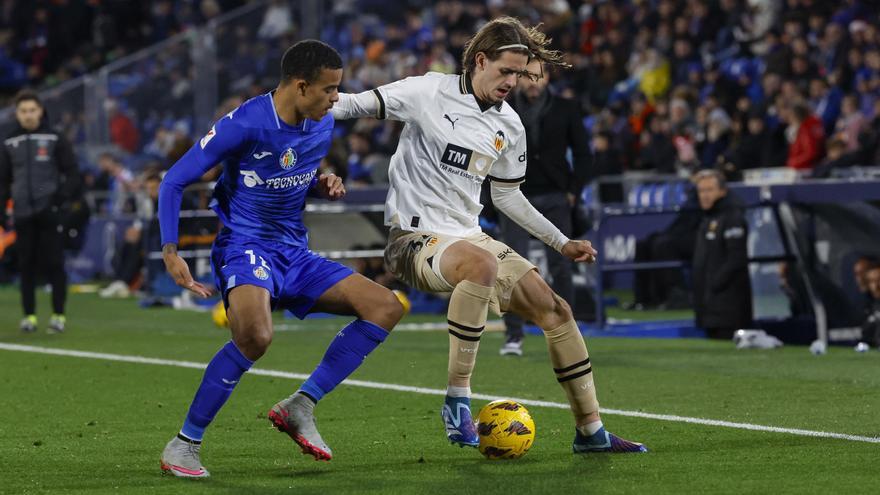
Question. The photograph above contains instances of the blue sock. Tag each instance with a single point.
(343, 356)
(221, 376)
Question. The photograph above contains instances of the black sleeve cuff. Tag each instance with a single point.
(381, 113)
(507, 181)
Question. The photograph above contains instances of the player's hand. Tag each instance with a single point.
(179, 271)
(330, 186)
(580, 251)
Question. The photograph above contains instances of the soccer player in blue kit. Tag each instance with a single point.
(271, 147)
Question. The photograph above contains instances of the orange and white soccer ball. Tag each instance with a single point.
(506, 430)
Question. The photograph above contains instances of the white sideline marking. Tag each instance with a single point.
(436, 391)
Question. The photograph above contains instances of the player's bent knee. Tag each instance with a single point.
(386, 311)
(482, 268)
(561, 308)
(253, 341)
(551, 311)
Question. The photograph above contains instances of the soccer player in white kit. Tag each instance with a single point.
(458, 133)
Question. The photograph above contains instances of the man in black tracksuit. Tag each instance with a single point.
(38, 171)
(553, 125)
(722, 289)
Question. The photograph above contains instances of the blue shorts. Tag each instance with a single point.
(295, 277)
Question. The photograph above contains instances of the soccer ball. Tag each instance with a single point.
(506, 430)
(218, 314)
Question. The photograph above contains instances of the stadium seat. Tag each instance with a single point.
(646, 195)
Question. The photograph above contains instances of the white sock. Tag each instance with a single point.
(590, 429)
(453, 391)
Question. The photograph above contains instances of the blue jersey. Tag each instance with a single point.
(269, 167)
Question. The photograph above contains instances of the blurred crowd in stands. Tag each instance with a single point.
(44, 42)
(664, 86)
(667, 85)
(670, 86)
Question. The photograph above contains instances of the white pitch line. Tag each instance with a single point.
(441, 392)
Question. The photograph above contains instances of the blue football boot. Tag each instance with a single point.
(603, 441)
(460, 428)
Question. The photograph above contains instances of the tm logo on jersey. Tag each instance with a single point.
(470, 164)
(288, 159)
(456, 156)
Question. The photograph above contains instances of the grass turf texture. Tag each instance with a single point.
(70, 424)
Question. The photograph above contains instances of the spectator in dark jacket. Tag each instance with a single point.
(722, 290)
(553, 126)
(717, 137)
(759, 147)
(656, 151)
(39, 171)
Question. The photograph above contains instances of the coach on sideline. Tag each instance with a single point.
(722, 288)
(39, 170)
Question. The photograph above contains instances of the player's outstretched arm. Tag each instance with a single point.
(224, 139)
(400, 100)
(359, 105)
(511, 201)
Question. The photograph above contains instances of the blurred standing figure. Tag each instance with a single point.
(552, 185)
(871, 326)
(722, 289)
(39, 171)
(861, 268)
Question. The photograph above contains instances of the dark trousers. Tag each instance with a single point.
(129, 261)
(653, 287)
(554, 207)
(40, 243)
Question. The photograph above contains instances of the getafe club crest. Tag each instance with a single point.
(261, 273)
(288, 159)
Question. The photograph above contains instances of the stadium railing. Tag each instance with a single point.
(782, 219)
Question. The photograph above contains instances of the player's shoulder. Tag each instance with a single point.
(448, 82)
(429, 80)
(256, 112)
(440, 76)
(508, 116)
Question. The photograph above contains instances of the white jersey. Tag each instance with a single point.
(448, 147)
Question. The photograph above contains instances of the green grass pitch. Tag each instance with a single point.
(72, 424)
